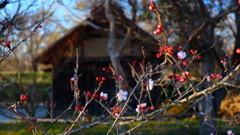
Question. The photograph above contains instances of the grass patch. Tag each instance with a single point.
(27, 77)
(150, 128)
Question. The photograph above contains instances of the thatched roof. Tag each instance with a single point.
(66, 45)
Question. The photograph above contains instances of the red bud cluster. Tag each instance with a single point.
(165, 49)
(101, 79)
(158, 30)
(193, 51)
(79, 108)
(88, 94)
(215, 75)
(116, 110)
(177, 77)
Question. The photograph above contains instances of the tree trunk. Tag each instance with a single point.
(206, 104)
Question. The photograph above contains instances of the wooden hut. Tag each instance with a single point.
(91, 37)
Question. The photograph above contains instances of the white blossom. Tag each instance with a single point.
(141, 107)
(181, 55)
(103, 96)
(208, 78)
(122, 95)
(150, 84)
(229, 132)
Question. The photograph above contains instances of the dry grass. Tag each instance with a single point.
(230, 106)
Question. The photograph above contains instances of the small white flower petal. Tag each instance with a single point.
(181, 55)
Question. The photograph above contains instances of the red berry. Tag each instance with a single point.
(159, 27)
(31, 128)
(159, 55)
(114, 108)
(95, 95)
(180, 48)
(160, 50)
(214, 75)
(171, 76)
(39, 26)
(47, 102)
(152, 4)
(165, 49)
(119, 77)
(238, 51)
(230, 124)
(182, 80)
(170, 52)
(236, 121)
(7, 44)
(151, 108)
(72, 79)
(171, 47)
(237, 60)
(88, 94)
(77, 108)
(192, 51)
(177, 78)
(185, 63)
(157, 31)
(151, 8)
(134, 62)
(9, 26)
(98, 79)
(23, 97)
(107, 70)
(186, 73)
(103, 79)
(33, 120)
(198, 57)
